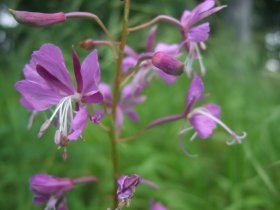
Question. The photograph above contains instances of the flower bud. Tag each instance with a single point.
(38, 19)
(168, 63)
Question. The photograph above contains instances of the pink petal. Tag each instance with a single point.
(195, 92)
(35, 96)
(169, 79)
(90, 72)
(132, 114)
(172, 49)
(151, 39)
(95, 97)
(106, 91)
(50, 57)
(199, 33)
(128, 63)
(79, 123)
(77, 71)
(203, 125)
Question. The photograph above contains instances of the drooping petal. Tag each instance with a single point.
(90, 71)
(185, 17)
(78, 124)
(50, 57)
(77, 71)
(203, 125)
(37, 97)
(63, 205)
(169, 79)
(195, 92)
(151, 39)
(199, 33)
(45, 184)
(130, 52)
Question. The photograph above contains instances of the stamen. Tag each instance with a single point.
(237, 138)
(199, 57)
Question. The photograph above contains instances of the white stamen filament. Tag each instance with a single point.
(202, 67)
(64, 110)
(210, 116)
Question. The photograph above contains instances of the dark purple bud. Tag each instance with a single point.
(38, 19)
(168, 63)
(126, 188)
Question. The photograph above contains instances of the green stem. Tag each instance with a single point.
(114, 136)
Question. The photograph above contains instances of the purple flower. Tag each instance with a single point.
(51, 190)
(130, 97)
(48, 83)
(145, 58)
(126, 188)
(196, 34)
(204, 118)
(157, 206)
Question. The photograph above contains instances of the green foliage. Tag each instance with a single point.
(221, 177)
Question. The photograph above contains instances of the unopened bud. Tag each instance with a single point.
(38, 19)
(168, 63)
(87, 44)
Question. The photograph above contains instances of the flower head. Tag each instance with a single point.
(192, 35)
(51, 190)
(204, 119)
(126, 188)
(48, 83)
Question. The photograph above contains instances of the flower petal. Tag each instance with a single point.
(169, 79)
(95, 97)
(119, 119)
(78, 124)
(199, 33)
(132, 114)
(195, 92)
(151, 39)
(50, 57)
(36, 97)
(90, 72)
(171, 49)
(128, 63)
(106, 91)
(77, 71)
(203, 125)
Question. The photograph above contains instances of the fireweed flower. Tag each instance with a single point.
(133, 58)
(48, 83)
(126, 189)
(194, 35)
(203, 119)
(130, 97)
(51, 190)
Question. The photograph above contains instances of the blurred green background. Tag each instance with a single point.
(243, 76)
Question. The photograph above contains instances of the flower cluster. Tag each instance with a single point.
(48, 86)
